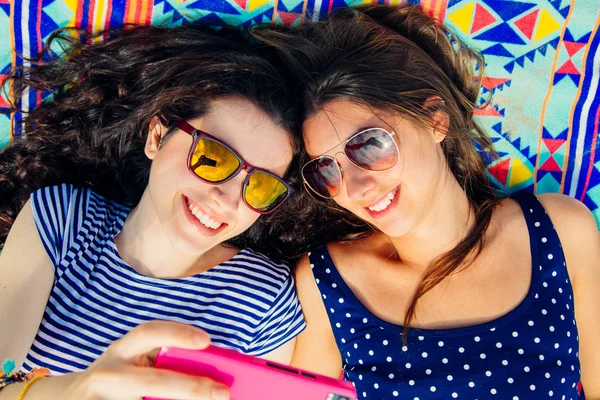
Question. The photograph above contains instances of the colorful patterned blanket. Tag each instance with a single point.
(543, 69)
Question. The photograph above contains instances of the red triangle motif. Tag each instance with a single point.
(568, 68)
(3, 102)
(288, 18)
(491, 83)
(550, 165)
(500, 171)
(489, 111)
(553, 144)
(526, 24)
(573, 47)
(241, 3)
(482, 18)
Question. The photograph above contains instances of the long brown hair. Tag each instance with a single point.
(92, 131)
(396, 58)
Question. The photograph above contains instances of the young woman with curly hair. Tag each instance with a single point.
(134, 196)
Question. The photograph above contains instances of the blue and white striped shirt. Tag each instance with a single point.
(247, 303)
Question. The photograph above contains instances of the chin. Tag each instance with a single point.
(185, 243)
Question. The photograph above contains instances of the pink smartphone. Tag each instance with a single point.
(252, 378)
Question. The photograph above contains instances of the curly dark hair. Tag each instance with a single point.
(91, 132)
(395, 58)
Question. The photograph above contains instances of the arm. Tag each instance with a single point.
(316, 349)
(26, 278)
(124, 371)
(283, 354)
(580, 239)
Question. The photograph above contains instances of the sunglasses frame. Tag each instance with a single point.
(343, 144)
(198, 134)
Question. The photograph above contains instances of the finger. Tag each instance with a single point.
(160, 383)
(154, 334)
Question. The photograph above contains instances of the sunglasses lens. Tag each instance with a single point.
(323, 176)
(373, 149)
(264, 192)
(212, 161)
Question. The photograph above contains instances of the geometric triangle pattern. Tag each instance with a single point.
(526, 24)
(544, 113)
(482, 19)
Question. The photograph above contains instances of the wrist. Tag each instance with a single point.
(71, 386)
(63, 387)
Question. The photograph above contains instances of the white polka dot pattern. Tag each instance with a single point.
(531, 352)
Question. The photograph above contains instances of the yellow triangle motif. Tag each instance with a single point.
(72, 5)
(462, 17)
(546, 25)
(254, 4)
(519, 173)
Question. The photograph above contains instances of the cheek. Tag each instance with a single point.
(170, 169)
(246, 217)
(343, 201)
(421, 161)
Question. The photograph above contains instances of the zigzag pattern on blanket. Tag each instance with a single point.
(542, 56)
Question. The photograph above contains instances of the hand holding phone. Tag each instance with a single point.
(252, 378)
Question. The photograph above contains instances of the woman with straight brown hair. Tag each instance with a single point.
(434, 286)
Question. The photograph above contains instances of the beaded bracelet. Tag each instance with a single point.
(7, 377)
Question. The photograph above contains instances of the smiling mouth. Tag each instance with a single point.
(201, 218)
(385, 202)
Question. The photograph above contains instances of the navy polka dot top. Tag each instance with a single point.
(529, 353)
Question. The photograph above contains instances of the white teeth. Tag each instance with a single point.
(383, 204)
(203, 218)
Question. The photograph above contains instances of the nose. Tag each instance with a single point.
(358, 183)
(226, 196)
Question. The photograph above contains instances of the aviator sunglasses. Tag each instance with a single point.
(372, 149)
(214, 162)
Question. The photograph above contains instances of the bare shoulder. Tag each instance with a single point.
(24, 256)
(576, 228)
(25, 268)
(560, 206)
(303, 273)
(571, 218)
(316, 349)
(308, 292)
(23, 235)
(580, 239)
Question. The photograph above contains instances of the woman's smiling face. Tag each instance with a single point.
(196, 215)
(396, 200)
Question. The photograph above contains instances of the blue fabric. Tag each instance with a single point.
(247, 303)
(529, 353)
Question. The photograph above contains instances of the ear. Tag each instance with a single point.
(440, 120)
(155, 134)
